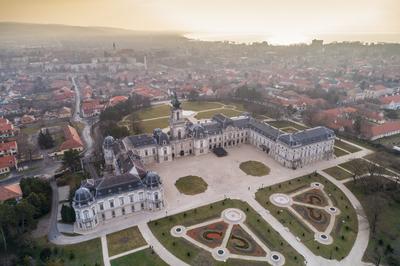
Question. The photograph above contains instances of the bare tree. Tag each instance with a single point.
(374, 207)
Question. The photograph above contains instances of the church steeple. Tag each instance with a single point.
(176, 120)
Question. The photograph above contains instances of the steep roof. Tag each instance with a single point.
(72, 139)
(10, 192)
(307, 136)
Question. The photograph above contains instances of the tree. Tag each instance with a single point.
(193, 95)
(72, 160)
(45, 140)
(136, 126)
(374, 207)
(67, 214)
(25, 216)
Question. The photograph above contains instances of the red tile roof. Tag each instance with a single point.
(117, 99)
(377, 130)
(72, 139)
(389, 99)
(7, 161)
(6, 146)
(10, 192)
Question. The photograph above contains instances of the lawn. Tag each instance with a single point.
(124, 240)
(194, 255)
(390, 141)
(149, 126)
(344, 231)
(73, 180)
(339, 152)
(254, 168)
(350, 165)
(387, 232)
(345, 146)
(85, 253)
(191, 185)
(385, 159)
(285, 123)
(145, 257)
(225, 111)
(200, 106)
(338, 173)
(289, 129)
(153, 112)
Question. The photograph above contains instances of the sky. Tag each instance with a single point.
(280, 18)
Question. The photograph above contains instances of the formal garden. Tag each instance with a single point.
(254, 168)
(310, 223)
(191, 185)
(210, 230)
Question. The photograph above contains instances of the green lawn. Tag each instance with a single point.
(194, 255)
(385, 159)
(350, 165)
(390, 141)
(254, 168)
(191, 185)
(345, 146)
(145, 257)
(338, 173)
(387, 232)
(210, 114)
(339, 152)
(149, 126)
(154, 111)
(125, 240)
(346, 223)
(85, 253)
(284, 123)
(71, 179)
(289, 129)
(200, 106)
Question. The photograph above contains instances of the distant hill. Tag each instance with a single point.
(22, 34)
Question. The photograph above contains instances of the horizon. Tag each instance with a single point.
(284, 22)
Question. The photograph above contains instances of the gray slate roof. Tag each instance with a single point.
(142, 140)
(114, 185)
(307, 136)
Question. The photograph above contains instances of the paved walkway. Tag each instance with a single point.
(104, 248)
(158, 247)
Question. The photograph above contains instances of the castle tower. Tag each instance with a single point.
(176, 121)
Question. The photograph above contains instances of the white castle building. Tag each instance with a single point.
(292, 150)
(132, 188)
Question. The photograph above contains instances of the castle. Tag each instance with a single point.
(132, 188)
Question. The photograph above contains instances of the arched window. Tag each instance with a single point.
(156, 196)
(86, 214)
(179, 134)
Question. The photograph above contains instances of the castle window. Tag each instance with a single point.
(154, 151)
(111, 203)
(146, 153)
(123, 211)
(131, 198)
(141, 196)
(121, 201)
(133, 208)
(142, 206)
(103, 216)
(113, 214)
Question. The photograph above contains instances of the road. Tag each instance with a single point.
(86, 132)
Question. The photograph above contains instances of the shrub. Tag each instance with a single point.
(45, 254)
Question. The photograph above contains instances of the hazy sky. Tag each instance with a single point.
(233, 16)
